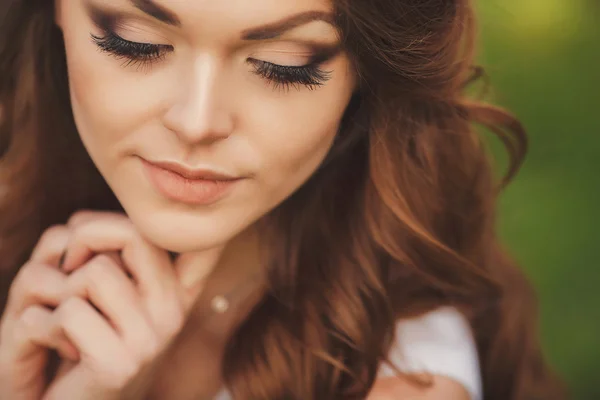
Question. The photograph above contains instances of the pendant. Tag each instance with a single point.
(219, 304)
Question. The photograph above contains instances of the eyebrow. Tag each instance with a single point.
(276, 29)
(269, 31)
(154, 10)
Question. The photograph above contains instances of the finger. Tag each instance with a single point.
(51, 245)
(105, 365)
(33, 330)
(149, 266)
(85, 384)
(81, 218)
(107, 287)
(115, 256)
(35, 284)
(96, 341)
(84, 216)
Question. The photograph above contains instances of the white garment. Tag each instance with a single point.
(440, 343)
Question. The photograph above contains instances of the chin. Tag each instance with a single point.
(178, 243)
(181, 232)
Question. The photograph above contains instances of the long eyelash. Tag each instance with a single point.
(282, 76)
(145, 54)
(134, 53)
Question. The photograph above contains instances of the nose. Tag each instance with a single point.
(197, 114)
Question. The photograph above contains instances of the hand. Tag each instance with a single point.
(118, 326)
(122, 339)
(24, 350)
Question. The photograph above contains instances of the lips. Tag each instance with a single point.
(186, 185)
(194, 174)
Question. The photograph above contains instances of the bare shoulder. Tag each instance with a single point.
(441, 388)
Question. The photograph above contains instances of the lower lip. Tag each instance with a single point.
(190, 191)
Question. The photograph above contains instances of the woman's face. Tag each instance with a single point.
(244, 97)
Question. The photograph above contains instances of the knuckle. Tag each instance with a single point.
(101, 265)
(27, 321)
(79, 217)
(27, 280)
(78, 233)
(68, 312)
(51, 233)
(30, 315)
(101, 272)
(98, 277)
(22, 327)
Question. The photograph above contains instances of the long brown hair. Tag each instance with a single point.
(398, 220)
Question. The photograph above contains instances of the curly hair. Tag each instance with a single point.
(398, 220)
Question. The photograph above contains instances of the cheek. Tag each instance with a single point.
(92, 96)
(109, 102)
(298, 131)
(299, 145)
(102, 100)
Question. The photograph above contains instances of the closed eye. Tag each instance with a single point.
(281, 76)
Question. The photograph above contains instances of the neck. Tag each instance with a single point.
(234, 270)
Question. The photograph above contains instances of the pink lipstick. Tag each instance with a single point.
(187, 185)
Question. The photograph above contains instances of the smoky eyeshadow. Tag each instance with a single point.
(103, 19)
(323, 53)
(107, 20)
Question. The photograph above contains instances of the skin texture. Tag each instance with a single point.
(113, 351)
(203, 105)
(200, 105)
(109, 352)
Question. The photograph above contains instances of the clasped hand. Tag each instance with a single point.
(105, 299)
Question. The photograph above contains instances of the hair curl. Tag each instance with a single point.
(399, 219)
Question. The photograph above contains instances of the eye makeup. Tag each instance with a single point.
(310, 75)
(144, 55)
(133, 53)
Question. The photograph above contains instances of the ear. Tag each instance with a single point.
(58, 13)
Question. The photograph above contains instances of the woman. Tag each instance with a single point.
(253, 200)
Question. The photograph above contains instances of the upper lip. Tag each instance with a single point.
(193, 173)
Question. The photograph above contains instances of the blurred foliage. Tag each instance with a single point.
(543, 59)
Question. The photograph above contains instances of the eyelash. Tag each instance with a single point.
(284, 76)
(146, 54)
(134, 53)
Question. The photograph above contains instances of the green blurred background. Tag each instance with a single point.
(543, 59)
